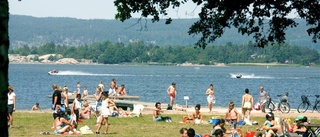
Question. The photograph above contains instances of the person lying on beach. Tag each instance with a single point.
(180, 108)
(123, 113)
(36, 107)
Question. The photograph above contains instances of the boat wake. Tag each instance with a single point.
(250, 76)
(80, 73)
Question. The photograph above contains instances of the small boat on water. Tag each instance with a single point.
(238, 76)
(53, 72)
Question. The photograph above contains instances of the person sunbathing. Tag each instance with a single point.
(86, 113)
(197, 116)
(62, 125)
(270, 127)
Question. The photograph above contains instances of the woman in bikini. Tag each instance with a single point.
(247, 101)
(197, 116)
(232, 115)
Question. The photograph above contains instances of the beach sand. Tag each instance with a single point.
(217, 111)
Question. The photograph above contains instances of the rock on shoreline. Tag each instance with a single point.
(46, 59)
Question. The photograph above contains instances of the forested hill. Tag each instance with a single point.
(70, 31)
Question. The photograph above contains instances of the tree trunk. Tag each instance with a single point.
(4, 64)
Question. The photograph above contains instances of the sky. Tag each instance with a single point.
(84, 9)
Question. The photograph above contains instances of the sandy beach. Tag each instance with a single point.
(217, 111)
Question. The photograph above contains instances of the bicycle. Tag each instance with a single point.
(303, 107)
(310, 130)
(282, 105)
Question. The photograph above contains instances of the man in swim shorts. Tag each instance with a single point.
(172, 94)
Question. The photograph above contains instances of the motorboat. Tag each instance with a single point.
(238, 76)
(53, 72)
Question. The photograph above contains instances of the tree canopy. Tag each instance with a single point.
(265, 20)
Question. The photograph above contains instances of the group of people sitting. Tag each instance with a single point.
(270, 128)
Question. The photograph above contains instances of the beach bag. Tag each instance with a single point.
(241, 123)
(214, 120)
(256, 106)
(250, 134)
(114, 114)
(166, 119)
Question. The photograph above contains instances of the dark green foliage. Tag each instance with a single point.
(26, 30)
(139, 52)
(265, 20)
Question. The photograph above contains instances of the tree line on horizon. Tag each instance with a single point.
(140, 52)
(70, 31)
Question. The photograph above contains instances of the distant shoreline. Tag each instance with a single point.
(171, 64)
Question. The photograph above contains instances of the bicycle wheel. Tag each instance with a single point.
(269, 106)
(303, 107)
(284, 107)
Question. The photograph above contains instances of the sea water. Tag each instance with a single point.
(32, 83)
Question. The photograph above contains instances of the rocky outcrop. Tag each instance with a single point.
(45, 59)
(67, 61)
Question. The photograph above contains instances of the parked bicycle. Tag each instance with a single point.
(282, 105)
(303, 107)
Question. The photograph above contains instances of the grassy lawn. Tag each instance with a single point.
(31, 124)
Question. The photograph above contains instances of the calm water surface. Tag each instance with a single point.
(32, 83)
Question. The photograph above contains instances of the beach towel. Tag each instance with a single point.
(85, 130)
(247, 121)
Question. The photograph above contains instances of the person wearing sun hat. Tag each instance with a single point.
(301, 118)
(11, 105)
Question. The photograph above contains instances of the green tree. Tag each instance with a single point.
(266, 20)
(4, 64)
